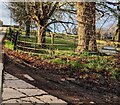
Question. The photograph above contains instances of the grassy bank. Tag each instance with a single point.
(85, 63)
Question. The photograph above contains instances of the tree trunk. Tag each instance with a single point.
(20, 26)
(86, 26)
(28, 23)
(92, 27)
(41, 36)
(118, 34)
(81, 27)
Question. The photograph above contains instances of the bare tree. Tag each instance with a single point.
(44, 14)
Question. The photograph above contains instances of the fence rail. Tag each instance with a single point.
(22, 42)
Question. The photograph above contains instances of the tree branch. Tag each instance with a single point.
(57, 21)
(114, 4)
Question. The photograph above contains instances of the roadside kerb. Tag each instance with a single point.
(1, 65)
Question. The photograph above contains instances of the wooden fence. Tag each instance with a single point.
(29, 44)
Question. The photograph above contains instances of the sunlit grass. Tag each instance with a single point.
(65, 55)
(9, 44)
(108, 42)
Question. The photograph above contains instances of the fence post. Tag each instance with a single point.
(10, 34)
(52, 38)
(15, 40)
(74, 44)
(52, 42)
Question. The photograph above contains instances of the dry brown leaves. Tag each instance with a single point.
(34, 61)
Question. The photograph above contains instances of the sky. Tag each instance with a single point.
(5, 14)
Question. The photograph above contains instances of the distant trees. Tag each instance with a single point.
(19, 11)
(1, 23)
(113, 8)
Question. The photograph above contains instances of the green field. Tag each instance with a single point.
(62, 42)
